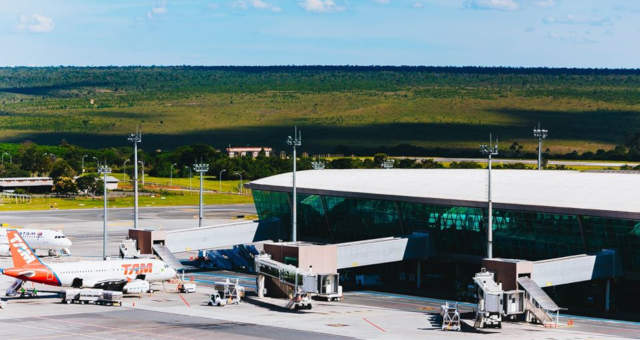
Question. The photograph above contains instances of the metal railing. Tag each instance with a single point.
(9, 197)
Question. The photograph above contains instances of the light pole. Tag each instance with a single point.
(171, 174)
(541, 134)
(135, 138)
(190, 176)
(142, 163)
(239, 174)
(124, 169)
(8, 154)
(294, 141)
(201, 168)
(83, 157)
(220, 179)
(490, 150)
(104, 170)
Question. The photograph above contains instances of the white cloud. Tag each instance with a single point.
(545, 3)
(571, 19)
(501, 5)
(159, 9)
(321, 6)
(258, 4)
(572, 37)
(36, 23)
(240, 4)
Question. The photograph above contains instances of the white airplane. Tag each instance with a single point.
(49, 240)
(110, 274)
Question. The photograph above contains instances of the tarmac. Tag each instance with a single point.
(166, 314)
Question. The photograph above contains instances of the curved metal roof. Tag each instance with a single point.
(567, 192)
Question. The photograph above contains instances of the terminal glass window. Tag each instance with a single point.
(517, 234)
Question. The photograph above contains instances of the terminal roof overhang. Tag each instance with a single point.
(560, 192)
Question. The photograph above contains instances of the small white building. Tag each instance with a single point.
(248, 150)
(112, 183)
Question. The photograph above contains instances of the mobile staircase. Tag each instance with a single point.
(167, 256)
(539, 307)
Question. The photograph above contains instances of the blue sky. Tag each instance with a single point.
(571, 33)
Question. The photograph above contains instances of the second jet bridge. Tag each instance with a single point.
(416, 246)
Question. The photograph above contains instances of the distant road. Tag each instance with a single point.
(530, 161)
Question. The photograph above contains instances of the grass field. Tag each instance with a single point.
(210, 183)
(121, 202)
(365, 110)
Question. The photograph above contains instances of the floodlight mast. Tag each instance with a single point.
(201, 168)
(104, 170)
(541, 134)
(294, 141)
(489, 150)
(135, 138)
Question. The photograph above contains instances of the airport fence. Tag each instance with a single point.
(9, 197)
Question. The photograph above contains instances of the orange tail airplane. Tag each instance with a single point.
(110, 274)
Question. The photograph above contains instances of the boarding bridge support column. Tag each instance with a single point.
(418, 273)
(607, 297)
(260, 285)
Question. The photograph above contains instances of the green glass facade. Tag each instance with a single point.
(461, 230)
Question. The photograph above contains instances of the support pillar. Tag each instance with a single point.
(607, 297)
(418, 274)
(260, 285)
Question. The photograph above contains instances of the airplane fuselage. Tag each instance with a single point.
(37, 238)
(91, 273)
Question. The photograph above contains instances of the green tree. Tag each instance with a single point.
(61, 168)
(379, 158)
(65, 185)
(90, 184)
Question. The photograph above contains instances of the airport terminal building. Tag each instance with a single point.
(537, 215)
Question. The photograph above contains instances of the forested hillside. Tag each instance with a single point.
(400, 110)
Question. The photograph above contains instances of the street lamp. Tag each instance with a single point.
(201, 168)
(190, 177)
(142, 163)
(124, 169)
(239, 174)
(2, 157)
(220, 179)
(83, 157)
(171, 174)
(490, 150)
(104, 170)
(135, 138)
(294, 141)
(541, 134)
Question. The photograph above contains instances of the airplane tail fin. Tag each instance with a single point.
(21, 254)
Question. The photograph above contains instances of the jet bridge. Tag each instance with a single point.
(578, 268)
(218, 236)
(416, 246)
